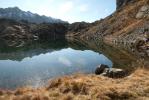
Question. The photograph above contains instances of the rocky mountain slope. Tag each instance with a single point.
(17, 25)
(121, 3)
(19, 31)
(128, 26)
(17, 14)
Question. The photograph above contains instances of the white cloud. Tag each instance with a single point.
(64, 61)
(83, 8)
(66, 7)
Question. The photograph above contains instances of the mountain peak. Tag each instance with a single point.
(17, 8)
(12, 9)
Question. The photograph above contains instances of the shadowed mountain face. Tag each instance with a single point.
(16, 14)
(16, 24)
(20, 31)
(121, 3)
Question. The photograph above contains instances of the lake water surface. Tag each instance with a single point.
(36, 62)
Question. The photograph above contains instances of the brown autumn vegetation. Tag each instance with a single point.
(87, 87)
(93, 87)
(123, 27)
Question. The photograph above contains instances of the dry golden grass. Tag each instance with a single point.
(87, 87)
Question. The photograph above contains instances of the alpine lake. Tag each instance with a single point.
(35, 62)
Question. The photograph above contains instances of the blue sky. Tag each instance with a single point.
(68, 10)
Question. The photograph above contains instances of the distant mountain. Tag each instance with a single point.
(17, 14)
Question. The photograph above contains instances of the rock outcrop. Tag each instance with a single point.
(143, 12)
(120, 3)
(18, 30)
(10, 29)
(74, 28)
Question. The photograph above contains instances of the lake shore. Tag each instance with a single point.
(87, 87)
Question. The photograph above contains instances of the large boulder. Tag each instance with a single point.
(104, 70)
(101, 69)
(116, 73)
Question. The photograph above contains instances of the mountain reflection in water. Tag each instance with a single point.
(34, 63)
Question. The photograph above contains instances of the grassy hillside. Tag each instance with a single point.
(127, 26)
(87, 87)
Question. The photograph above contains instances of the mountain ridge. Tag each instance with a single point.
(126, 27)
(17, 14)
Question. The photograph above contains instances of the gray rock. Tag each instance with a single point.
(143, 12)
(100, 69)
(140, 15)
(104, 70)
(116, 73)
(144, 8)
